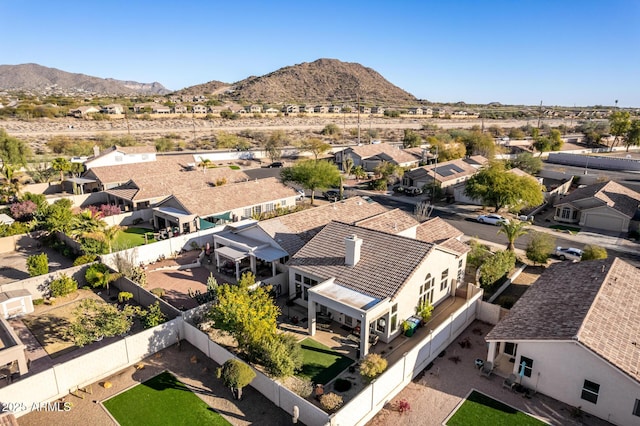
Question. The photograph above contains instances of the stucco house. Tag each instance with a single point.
(84, 111)
(445, 174)
(372, 155)
(112, 109)
(574, 336)
(121, 155)
(346, 273)
(607, 206)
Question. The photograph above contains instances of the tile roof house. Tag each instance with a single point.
(445, 174)
(121, 155)
(575, 336)
(370, 156)
(607, 206)
(346, 273)
(84, 111)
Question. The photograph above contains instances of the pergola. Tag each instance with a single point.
(362, 307)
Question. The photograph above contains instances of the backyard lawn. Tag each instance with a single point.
(162, 400)
(320, 363)
(132, 237)
(479, 409)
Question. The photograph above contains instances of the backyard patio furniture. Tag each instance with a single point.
(510, 382)
(487, 369)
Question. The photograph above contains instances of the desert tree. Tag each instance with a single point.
(312, 175)
(512, 230)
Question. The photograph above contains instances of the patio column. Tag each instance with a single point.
(237, 270)
(364, 336)
(491, 353)
(311, 314)
(273, 268)
(252, 262)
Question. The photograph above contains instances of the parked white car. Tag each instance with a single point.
(492, 219)
(569, 253)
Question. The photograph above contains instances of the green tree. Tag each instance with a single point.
(389, 172)
(478, 143)
(540, 247)
(516, 133)
(498, 188)
(277, 140)
(411, 139)
(93, 320)
(280, 354)
(38, 264)
(106, 235)
(445, 150)
(594, 252)
(331, 130)
(512, 231)
(496, 267)
(619, 124)
(86, 222)
(248, 316)
(315, 146)
(226, 140)
(632, 137)
(236, 375)
(152, 316)
(58, 216)
(478, 254)
(526, 162)
(348, 165)
(312, 175)
(12, 150)
(99, 275)
(61, 165)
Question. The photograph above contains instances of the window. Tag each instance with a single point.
(566, 213)
(268, 207)
(510, 348)
(426, 290)
(381, 325)
(283, 203)
(445, 282)
(298, 277)
(590, 391)
(528, 365)
(394, 317)
(247, 212)
(636, 408)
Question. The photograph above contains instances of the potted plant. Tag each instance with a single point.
(424, 311)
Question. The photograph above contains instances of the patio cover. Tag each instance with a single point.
(173, 212)
(232, 253)
(80, 180)
(269, 254)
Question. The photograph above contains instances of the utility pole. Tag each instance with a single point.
(358, 96)
(540, 114)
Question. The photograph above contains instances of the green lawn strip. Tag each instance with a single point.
(132, 237)
(572, 229)
(320, 363)
(161, 400)
(479, 409)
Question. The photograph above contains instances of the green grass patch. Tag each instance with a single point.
(133, 237)
(571, 229)
(234, 167)
(321, 364)
(479, 409)
(162, 400)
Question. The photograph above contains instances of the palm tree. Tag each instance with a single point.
(99, 275)
(204, 163)
(106, 235)
(513, 230)
(12, 185)
(86, 222)
(62, 165)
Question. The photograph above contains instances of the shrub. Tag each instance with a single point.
(236, 375)
(539, 247)
(37, 302)
(109, 210)
(85, 258)
(330, 401)
(372, 366)
(124, 296)
(24, 210)
(424, 310)
(158, 292)
(38, 264)
(63, 285)
(342, 385)
(152, 316)
(301, 386)
(280, 354)
(496, 267)
(506, 301)
(331, 129)
(402, 406)
(593, 252)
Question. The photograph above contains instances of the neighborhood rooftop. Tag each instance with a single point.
(393, 221)
(294, 230)
(611, 193)
(596, 303)
(386, 260)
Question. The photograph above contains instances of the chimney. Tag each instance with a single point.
(96, 150)
(352, 245)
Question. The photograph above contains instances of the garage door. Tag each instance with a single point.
(608, 223)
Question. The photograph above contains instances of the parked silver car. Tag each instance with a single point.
(568, 253)
(492, 219)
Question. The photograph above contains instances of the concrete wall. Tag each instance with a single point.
(488, 312)
(594, 162)
(144, 297)
(17, 242)
(81, 200)
(127, 219)
(39, 286)
(96, 365)
(385, 387)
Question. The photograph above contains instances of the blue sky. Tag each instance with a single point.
(566, 52)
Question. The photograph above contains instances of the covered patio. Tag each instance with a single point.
(173, 221)
(244, 254)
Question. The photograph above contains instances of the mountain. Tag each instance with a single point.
(36, 78)
(321, 81)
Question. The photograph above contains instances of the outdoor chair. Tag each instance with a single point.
(487, 369)
(510, 382)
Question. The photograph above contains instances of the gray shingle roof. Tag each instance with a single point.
(611, 193)
(594, 302)
(386, 260)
